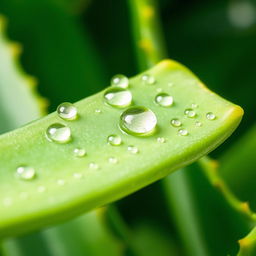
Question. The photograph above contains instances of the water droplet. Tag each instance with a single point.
(194, 105)
(58, 133)
(190, 112)
(164, 99)
(198, 124)
(120, 81)
(133, 149)
(118, 97)
(176, 122)
(93, 165)
(67, 111)
(161, 140)
(159, 89)
(138, 121)
(183, 132)
(112, 160)
(148, 79)
(210, 116)
(61, 182)
(41, 189)
(114, 140)
(79, 152)
(97, 111)
(25, 172)
(77, 175)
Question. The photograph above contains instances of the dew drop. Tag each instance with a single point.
(25, 172)
(198, 124)
(133, 149)
(164, 99)
(120, 81)
(97, 111)
(183, 132)
(210, 116)
(112, 160)
(159, 89)
(59, 133)
(148, 79)
(161, 140)
(190, 113)
(194, 105)
(79, 152)
(118, 97)
(176, 122)
(67, 111)
(114, 140)
(138, 121)
(93, 165)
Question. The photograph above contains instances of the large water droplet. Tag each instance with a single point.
(164, 99)
(138, 121)
(79, 152)
(148, 79)
(58, 133)
(176, 122)
(183, 132)
(114, 140)
(67, 111)
(25, 172)
(118, 97)
(133, 149)
(120, 81)
(210, 116)
(190, 112)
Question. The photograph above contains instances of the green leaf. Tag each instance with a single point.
(54, 162)
(16, 86)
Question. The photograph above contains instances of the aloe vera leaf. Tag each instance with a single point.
(239, 172)
(53, 161)
(248, 244)
(64, 68)
(19, 84)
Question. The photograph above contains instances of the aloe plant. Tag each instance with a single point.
(108, 145)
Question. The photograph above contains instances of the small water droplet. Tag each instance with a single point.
(148, 79)
(79, 152)
(159, 89)
(194, 105)
(198, 124)
(118, 97)
(114, 140)
(77, 175)
(61, 182)
(182, 132)
(112, 160)
(164, 99)
(210, 116)
(176, 122)
(93, 165)
(59, 133)
(133, 149)
(67, 111)
(190, 113)
(25, 172)
(161, 140)
(97, 111)
(120, 81)
(138, 121)
(41, 189)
